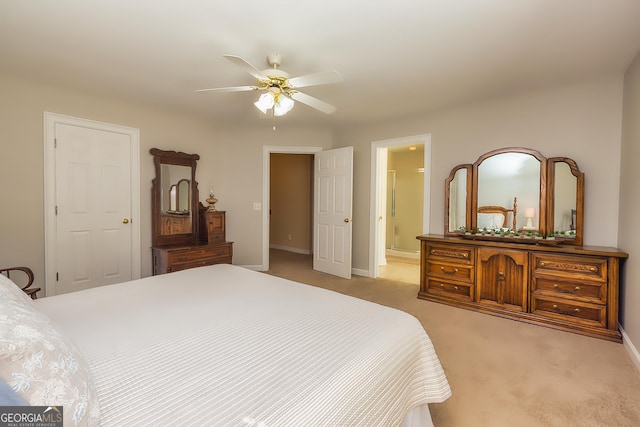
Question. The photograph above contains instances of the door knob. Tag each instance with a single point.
(347, 220)
(125, 220)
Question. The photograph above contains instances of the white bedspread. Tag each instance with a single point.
(222, 345)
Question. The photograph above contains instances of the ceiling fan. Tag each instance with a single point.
(280, 91)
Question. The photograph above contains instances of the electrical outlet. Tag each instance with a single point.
(257, 206)
(289, 236)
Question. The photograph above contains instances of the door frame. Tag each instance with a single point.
(50, 121)
(378, 192)
(266, 188)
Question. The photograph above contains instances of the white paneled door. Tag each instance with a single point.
(333, 211)
(93, 235)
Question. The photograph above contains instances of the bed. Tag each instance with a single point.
(221, 345)
(497, 217)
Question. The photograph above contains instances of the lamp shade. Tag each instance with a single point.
(283, 106)
(530, 212)
(265, 102)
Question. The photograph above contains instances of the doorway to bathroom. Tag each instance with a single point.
(400, 202)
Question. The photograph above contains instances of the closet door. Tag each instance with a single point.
(502, 278)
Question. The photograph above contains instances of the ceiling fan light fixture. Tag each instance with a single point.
(265, 102)
(281, 92)
(283, 105)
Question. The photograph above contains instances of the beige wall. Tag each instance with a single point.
(22, 163)
(230, 160)
(291, 202)
(240, 173)
(629, 232)
(581, 121)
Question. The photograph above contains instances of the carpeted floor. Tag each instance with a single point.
(401, 269)
(502, 372)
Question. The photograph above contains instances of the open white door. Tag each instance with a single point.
(332, 208)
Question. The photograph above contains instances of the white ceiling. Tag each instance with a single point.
(397, 58)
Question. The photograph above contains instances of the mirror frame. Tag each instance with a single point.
(447, 195)
(178, 195)
(161, 157)
(547, 182)
(575, 171)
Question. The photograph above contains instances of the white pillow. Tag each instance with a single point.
(9, 289)
(491, 221)
(39, 364)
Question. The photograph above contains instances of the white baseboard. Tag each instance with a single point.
(290, 249)
(402, 254)
(360, 272)
(634, 354)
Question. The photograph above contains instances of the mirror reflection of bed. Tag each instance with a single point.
(497, 217)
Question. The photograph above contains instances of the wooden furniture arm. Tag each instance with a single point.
(32, 292)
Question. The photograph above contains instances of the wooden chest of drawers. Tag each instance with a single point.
(212, 226)
(168, 259)
(563, 287)
(449, 271)
(570, 288)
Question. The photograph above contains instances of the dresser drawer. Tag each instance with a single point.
(448, 271)
(200, 263)
(457, 254)
(198, 254)
(168, 259)
(449, 289)
(577, 267)
(572, 311)
(591, 291)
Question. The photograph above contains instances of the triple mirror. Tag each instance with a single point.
(174, 198)
(516, 191)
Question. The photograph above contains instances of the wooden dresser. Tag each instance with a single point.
(184, 233)
(167, 259)
(573, 288)
(212, 226)
(211, 249)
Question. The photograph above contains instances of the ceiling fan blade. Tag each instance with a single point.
(229, 89)
(321, 78)
(247, 67)
(313, 102)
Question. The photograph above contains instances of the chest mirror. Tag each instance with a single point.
(516, 190)
(174, 198)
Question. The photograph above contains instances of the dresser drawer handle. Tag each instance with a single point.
(455, 270)
(575, 290)
(592, 268)
(568, 313)
(442, 286)
(464, 255)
